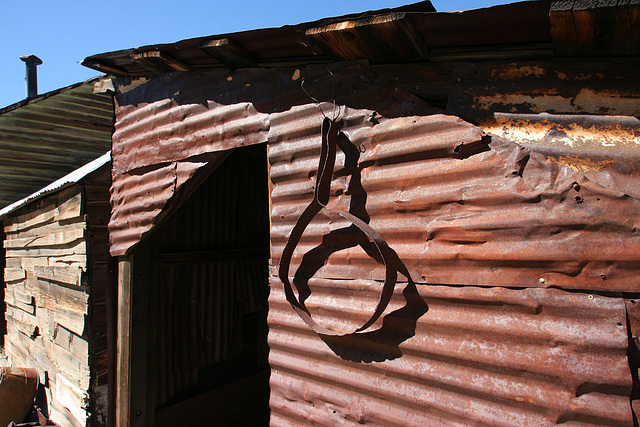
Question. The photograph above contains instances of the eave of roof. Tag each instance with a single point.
(67, 180)
(45, 137)
(413, 33)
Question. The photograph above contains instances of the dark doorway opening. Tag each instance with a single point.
(209, 286)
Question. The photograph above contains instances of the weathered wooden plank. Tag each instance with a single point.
(384, 39)
(30, 352)
(47, 229)
(17, 295)
(75, 399)
(13, 263)
(70, 208)
(67, 205)
(70, 275)
(15, 224)
(28, 307)
(79, 261)
(24, 322)
(124, 356)
(25, 264)
(60, 237)
(14, 274)
(72, 320)
(53, 296)
(75, 369)
(74, 344)
(62, 415)
(79, 248)
(588, 28)
(229, 52)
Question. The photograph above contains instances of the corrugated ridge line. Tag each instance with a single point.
(475, 209)
(336, 296)
(445, 373)
(455, 323)
(183, 130)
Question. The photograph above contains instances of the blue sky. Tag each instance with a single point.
(62, 33)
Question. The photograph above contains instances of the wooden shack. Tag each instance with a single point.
(56, 279)
(453, 210)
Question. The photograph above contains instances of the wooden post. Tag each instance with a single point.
(134, 408)
(123, 374)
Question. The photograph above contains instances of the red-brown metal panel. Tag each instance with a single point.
(138, 199)
(481, 356)
(170, 126)
(481, 215)
(458, 210)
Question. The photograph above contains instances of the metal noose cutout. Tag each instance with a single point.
(382, 252)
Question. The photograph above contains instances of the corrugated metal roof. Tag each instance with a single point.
(46, 137)
(72, 178)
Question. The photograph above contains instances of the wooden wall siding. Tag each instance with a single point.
(47, 300)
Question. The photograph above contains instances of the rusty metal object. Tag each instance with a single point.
(581, 114)
(605, 149)
(556, 87)
(18, 388)
(482, 215)
(356, 216)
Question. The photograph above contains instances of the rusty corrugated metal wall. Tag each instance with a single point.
(520, 262)
(499, 216)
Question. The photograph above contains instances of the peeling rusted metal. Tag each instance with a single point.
(582, 115)
(605, 149)
(513, 254)
(555, 87)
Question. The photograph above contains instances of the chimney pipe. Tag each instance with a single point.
(32, 63)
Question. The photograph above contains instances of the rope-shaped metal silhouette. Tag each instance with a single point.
(393, 264)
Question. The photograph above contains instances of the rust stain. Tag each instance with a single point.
(518, 72)
(581, 165)
(562, 131)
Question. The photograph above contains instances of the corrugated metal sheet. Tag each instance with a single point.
(193, 118)
(44, 138)
(137, 199)
(480, 356)
(582, 114)
(458, 210)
